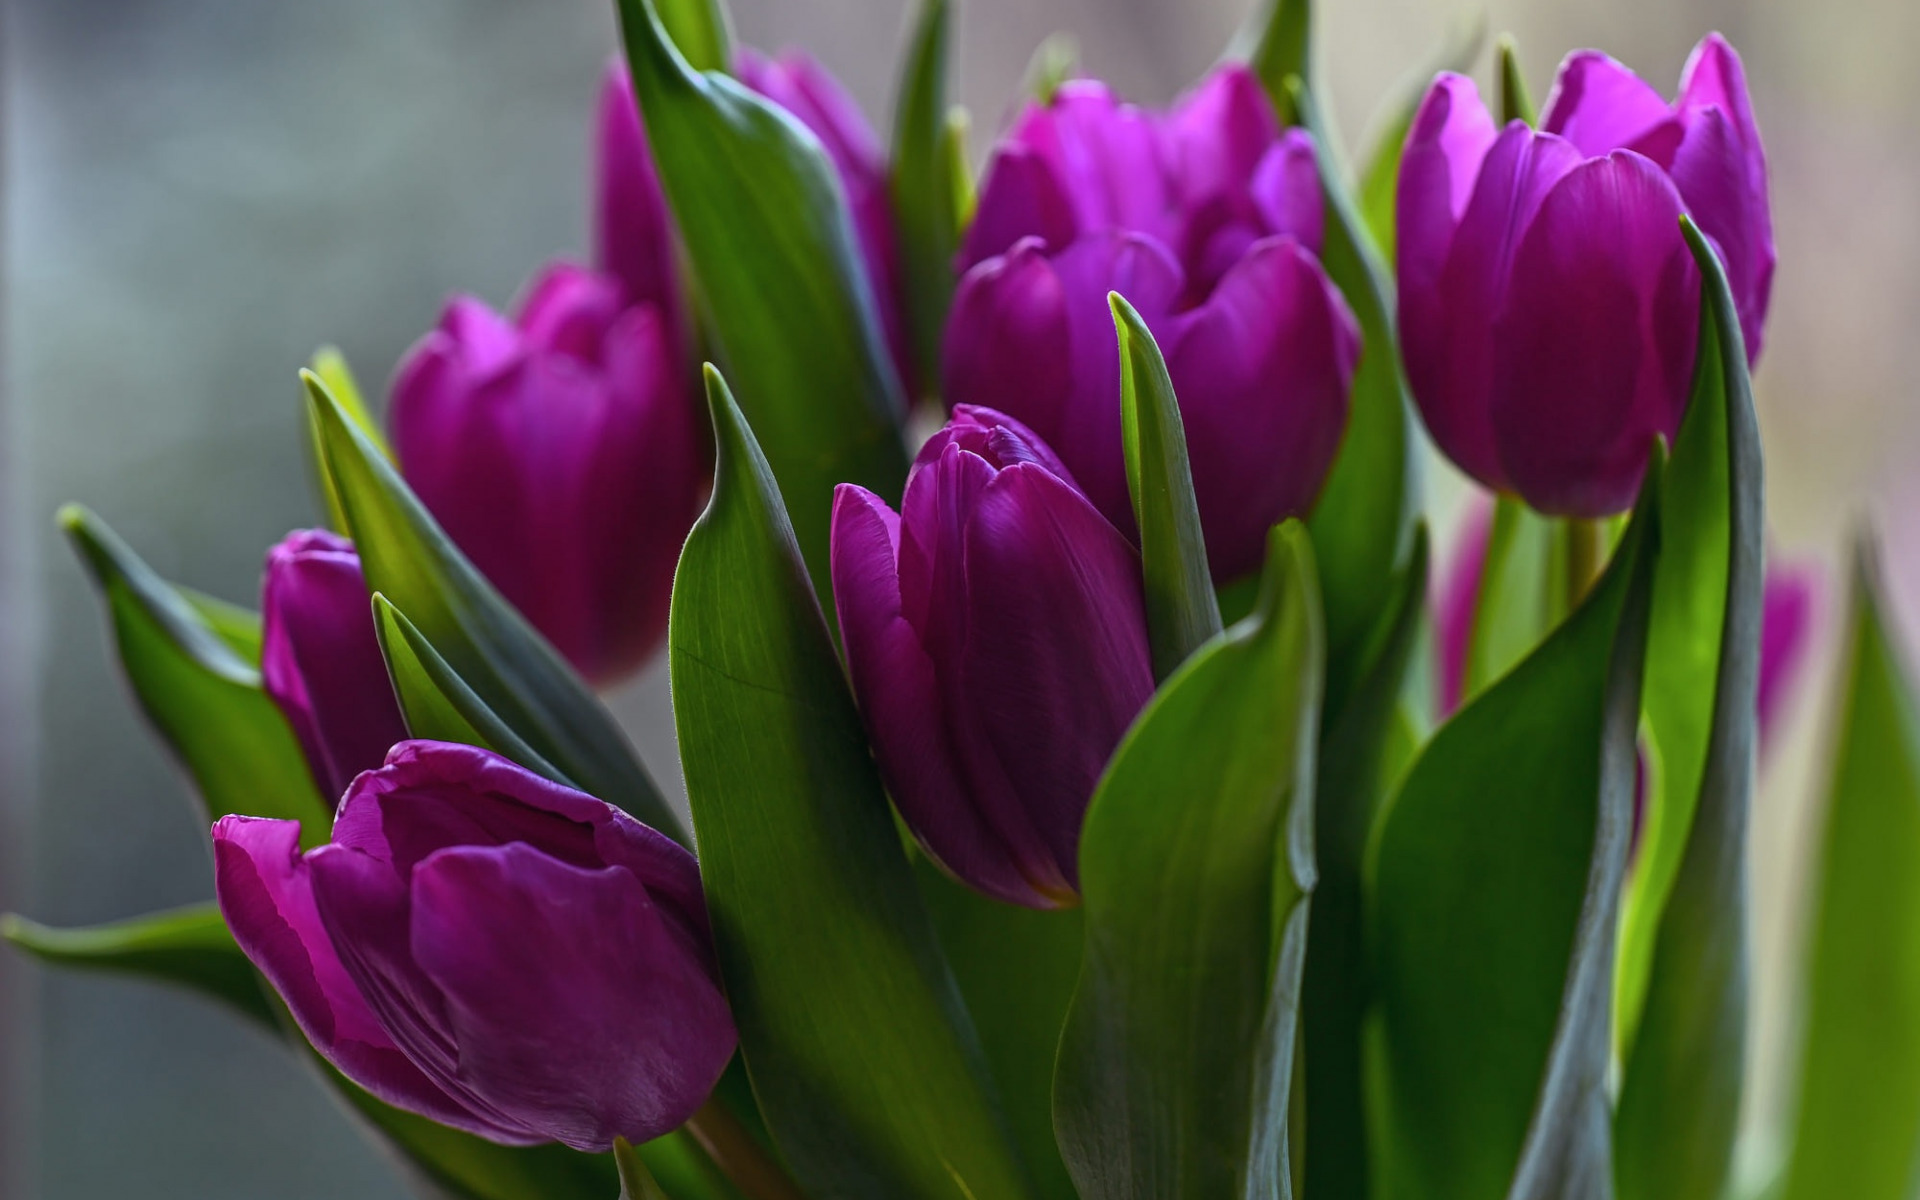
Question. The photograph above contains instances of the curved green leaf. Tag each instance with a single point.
(1363, 524)
(1182, 613)
(187, 946)
(1516, 102)
(201, 693)
(1362, 741)
(1177, 1060)
(1513, 606)
(1282, 49)
(1684, 937)
(1494, 888)
(509, 666)
(765, 224)
(925, 199)
(331, 368)
(701, 30)
(1858, 1130)
(863, 1059)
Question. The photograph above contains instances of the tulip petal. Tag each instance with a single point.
(1108, 155)
(899, 698)
(633, 232)
(1715, 78)
(266, 896)
(568, 308)
(1601, 106)
(575, 1008)
(1006, 342)
(1786, 636)
(1217, 134)
(1022, 198)
(1286, 190)
(1576, 404)
(1056, 663)
(1263, 372)
(1725, 189)
(1450, 347)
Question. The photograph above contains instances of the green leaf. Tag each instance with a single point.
(1177, 1060)
(1016, 968)
(1494, 893)
(925, 200)
(238, 627)
(863, 1059)
(1516, 103)
(331, 367)
(1858, 1129)
(186, 946)
(1363, 525)
(1366, 739)
(1054, 61)
(701, 30)
(1514, 607)
(436, 703)
(1282, 50)
(636, 1182)
(201, 693)
(1181, 610)
(510, 667)
(1380, 177)
(1684, 936)
(765, 225)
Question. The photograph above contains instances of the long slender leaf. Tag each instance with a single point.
(1363, 745)
(1282, 48)
(201, 693)
(1182, 613)
(925, 200)
(1858, 1130)
(1514, 608)
(766, 228)
(1177, 1061)
(331, 368)
(1494, 892)
(861, 1054)
(489, 645)
(1516, 102)
(701, 30)
(190, 947)
(1684, 937)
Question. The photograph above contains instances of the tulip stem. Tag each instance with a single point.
(1584, 539)
(741, 1159)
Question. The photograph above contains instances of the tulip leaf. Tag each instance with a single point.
(773, 250)
(925, 200)
(1380, 177)
(861, 1053)
(238, 627)
(1494, 886)
(1016, 968)
(1282, 48)
(1513, 607)
(1365, 741)
(331, 366)
(1516, 102)
(436, 703)
(199, 690)
(701, 30)
(1684, 937)
(1181, 610)
(636, 1182)
(190, 947)
(1177, 1060)
(1363, 525)
(510, 667)
(1858, 1128)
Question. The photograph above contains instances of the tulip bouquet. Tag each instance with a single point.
(1087, 797)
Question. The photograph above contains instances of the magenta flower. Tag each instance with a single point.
(633, 238)
(485, 948)
(996, 636)
(1208, 219)
(1548, 304)
(563, 452)
(320, 660)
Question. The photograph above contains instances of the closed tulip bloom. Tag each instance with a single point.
(1548, 303)
(995, 633)
(633, 239)
(320, 661)
(488, 949)
(1208, 219)
(562, 452)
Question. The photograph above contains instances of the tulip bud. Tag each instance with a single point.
(488, 949)
(562, 452)
(995, 634)
(320, 661)
(1548, 303)
(632, 226)
(1208, 219)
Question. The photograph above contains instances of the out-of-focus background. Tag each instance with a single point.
(198, 192)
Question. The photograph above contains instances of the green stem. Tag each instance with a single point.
(741, 1159)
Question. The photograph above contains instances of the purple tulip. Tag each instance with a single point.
(1548, 303)
(995, 633)
(488, 949)
(1208, 219)
(320, 660)
(562, 451)
(632, 226)
(798, 83)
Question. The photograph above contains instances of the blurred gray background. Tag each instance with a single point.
(198, 192)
